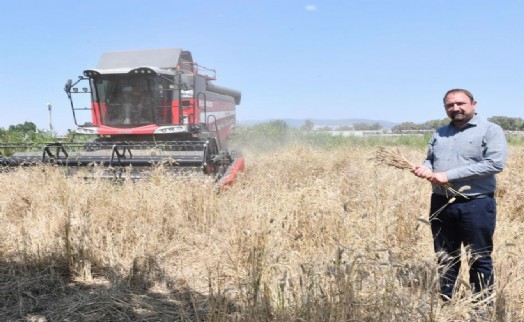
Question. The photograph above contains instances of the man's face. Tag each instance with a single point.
(459, 107)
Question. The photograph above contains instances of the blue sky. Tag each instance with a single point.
(379, 60)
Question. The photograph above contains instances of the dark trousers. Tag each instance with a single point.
(464, 222)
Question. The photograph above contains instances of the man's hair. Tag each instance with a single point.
(459, 90)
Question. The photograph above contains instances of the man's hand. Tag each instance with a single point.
(422, 171)
(439, 178)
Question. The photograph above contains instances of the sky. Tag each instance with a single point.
(333, 59)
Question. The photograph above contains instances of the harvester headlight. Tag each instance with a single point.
(142, 70)
(86, 130)
(91, 73)
(172, 129)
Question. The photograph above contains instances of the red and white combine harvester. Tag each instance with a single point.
(148, 108)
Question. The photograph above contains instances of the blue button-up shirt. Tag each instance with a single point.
(470, 155)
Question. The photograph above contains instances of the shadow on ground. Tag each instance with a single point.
(47, 291)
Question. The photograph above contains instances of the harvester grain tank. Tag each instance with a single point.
(148, 107)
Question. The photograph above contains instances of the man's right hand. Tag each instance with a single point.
(422, 171)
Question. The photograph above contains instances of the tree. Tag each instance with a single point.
(407, 126)
(435, 124)
(3, 135)
(308, 125)
(508, 123)
(367, 126)
(24, 128)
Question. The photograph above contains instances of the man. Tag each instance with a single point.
(466, 154)
(135, 105)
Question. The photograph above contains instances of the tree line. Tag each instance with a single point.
(28, 131)
(24, 132)
(505, 122)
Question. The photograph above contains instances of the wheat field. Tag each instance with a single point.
(305, 234)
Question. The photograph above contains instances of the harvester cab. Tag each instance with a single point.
(150, 107)
(154, 92)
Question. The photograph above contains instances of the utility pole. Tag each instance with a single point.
(50, 108)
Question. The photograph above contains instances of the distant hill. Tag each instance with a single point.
(295, 123)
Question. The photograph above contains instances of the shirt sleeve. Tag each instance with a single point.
(428, 162)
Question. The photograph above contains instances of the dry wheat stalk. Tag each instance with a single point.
(393, 157)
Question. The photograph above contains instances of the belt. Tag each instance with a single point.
(479, 196)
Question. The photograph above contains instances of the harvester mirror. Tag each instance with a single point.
(68, 85)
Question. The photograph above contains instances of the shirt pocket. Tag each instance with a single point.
(473, 149)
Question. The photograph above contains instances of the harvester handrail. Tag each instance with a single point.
(208, 73)
(214, 119)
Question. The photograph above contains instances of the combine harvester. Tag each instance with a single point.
(149, 108)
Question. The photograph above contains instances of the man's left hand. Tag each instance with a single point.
(438, 178)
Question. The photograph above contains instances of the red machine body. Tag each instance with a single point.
(135, 94)
(147, 108)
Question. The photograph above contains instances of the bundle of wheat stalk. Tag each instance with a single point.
(393, 157)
